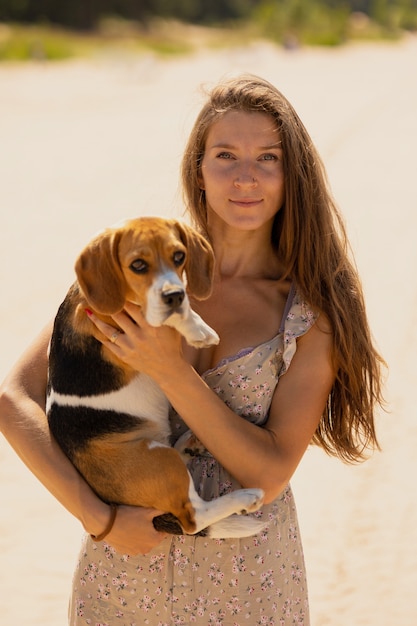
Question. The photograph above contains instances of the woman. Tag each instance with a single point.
(295, 363)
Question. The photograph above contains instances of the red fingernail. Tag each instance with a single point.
(89, 312)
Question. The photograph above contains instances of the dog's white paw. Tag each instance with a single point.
(236, 526)
(194, 329)
(203, 336)
(250, 500)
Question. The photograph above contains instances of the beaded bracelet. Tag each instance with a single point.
(113, 513)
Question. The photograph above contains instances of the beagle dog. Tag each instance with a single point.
(111, 421)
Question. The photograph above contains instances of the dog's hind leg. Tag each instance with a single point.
(222, 517)
(235, 526)
(188, 446)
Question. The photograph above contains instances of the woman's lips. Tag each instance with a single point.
(246, 202)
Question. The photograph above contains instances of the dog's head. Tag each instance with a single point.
(143, 261)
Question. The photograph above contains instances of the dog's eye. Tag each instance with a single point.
(179, 257)
(139, 266)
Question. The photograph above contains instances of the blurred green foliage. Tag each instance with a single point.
(85, 14)
(296, 21)
(54, 30)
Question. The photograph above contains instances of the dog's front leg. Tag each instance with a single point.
(194, 329)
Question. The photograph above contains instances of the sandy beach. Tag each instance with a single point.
(84, 144)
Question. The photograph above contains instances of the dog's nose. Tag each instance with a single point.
(173, 298)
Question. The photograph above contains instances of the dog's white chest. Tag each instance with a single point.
(141, 398)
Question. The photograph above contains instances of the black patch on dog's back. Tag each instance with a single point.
(74, 426)
(76, 363)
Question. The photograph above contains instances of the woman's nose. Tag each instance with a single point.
(245, 177)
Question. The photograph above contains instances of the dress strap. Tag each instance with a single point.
(287, 308)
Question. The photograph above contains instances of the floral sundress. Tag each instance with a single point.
(185, 580)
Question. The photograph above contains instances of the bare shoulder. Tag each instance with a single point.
(313, 361)
(319, 334)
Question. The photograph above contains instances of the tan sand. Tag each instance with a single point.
(85, 144)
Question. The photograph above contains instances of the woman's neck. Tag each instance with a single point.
(247, 254)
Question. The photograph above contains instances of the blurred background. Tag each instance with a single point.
(96, 103)
(79, 25)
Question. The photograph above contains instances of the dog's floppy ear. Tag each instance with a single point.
(199, 265)
(99, 273)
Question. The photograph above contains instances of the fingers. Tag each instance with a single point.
(111, 333)
(136, 343)
(127, 321)
(136, 313)
(115, 336)
(130, 319)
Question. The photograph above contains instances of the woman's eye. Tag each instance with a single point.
(224, 155)
(179, 258)
(139, 266)
(269, 157)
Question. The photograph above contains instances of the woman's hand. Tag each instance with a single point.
(155, 351)
(133, 532)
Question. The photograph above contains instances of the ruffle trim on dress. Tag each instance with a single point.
(299, 320)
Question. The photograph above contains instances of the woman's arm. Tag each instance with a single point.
(257, 457)
(24, 424)
(267, 456)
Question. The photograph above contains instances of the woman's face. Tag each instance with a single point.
(242, 170)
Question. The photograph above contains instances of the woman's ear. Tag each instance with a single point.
(200, 181)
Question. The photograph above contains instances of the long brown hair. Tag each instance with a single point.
(310, 239)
